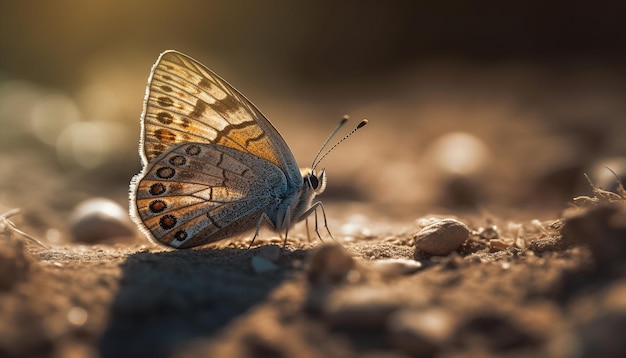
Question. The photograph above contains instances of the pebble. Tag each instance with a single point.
(459, 154)
(359, 306)
(500, 244)
(261, 265)
(396, 267)
(441, 237)
(421, 333)
(329, 264)
(77, 316)
(269, 252)
(98, 219)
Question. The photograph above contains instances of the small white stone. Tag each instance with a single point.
(501, 244)
(98, 219)
(261, 265)
(396, 267)
(441, 237)
(269, 252)
(458, 153)
(77, 316)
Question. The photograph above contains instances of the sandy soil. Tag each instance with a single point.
(530, 279)
(561, 294)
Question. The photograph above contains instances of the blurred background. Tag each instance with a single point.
(472, 105)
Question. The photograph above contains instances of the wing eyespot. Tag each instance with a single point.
(165, 172)
(180, 235)
(157, 189)
(157, 206)
(167, 222)
(178, 160)
(193, 150)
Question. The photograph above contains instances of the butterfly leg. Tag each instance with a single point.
(287, 219)
(325, 221)
(312, 209)
(258, 227)
(286, 234)
(306, 223)
(308, 230)
(317, 227)
(305, 216)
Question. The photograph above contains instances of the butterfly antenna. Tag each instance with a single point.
(343, 121)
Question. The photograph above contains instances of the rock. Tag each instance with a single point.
(459, 154)
(98, 219)
(459, 161)
(269, 252)
(396, 267)
(77, 316)
(501, 244)
(421, 333)
(441, 237)
(329, 264)
(360, 307)
(552, 243)
(261, 265)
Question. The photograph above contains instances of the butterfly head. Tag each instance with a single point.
(313, 180)
(316, 182)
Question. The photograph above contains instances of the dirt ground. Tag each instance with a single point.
(536, 276)
(562, 295)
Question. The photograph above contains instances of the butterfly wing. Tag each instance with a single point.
(198, 193)
(186, 102)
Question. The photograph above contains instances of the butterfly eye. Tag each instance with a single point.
(317, 182)
(313, 181)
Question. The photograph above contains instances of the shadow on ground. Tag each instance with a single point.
(168, 299)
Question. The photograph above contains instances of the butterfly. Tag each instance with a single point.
(214, 166)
